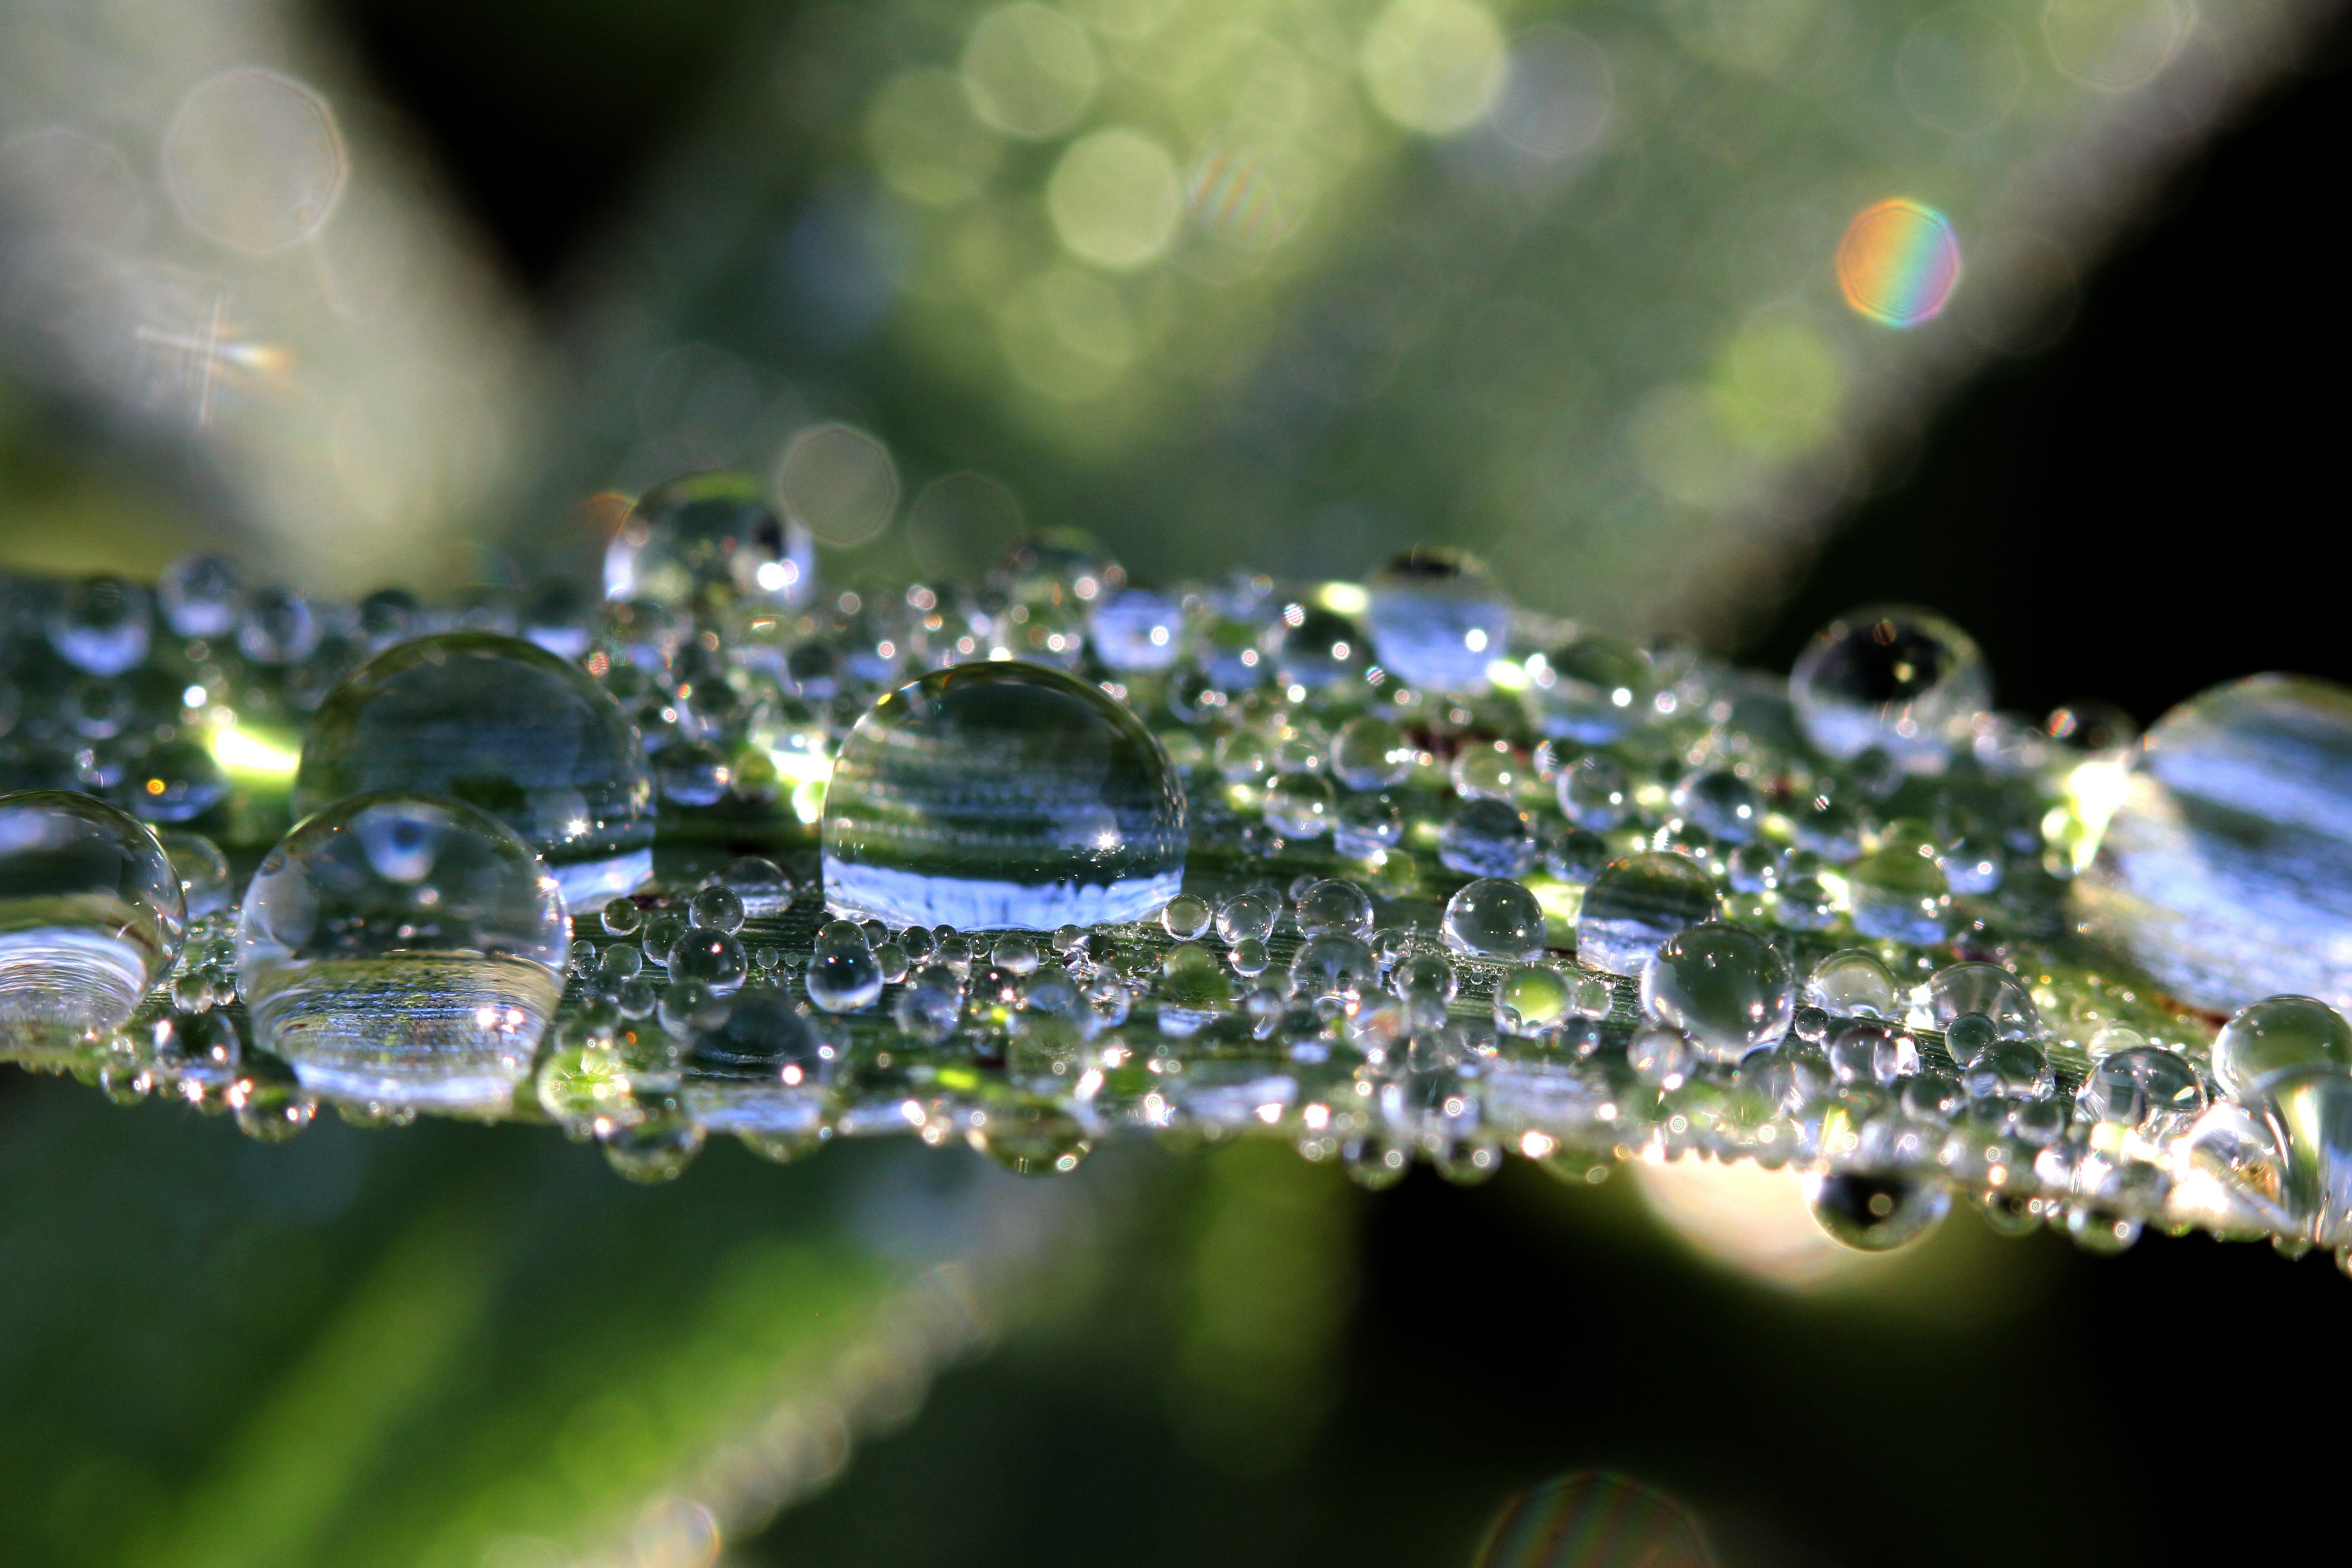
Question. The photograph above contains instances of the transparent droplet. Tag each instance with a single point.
(278, 627)
(1576, 856)
(1897, 893)
(693, 775)
(1487, 839)
(202, 596)
(1437, 619)
(1639, 902)
(2009, 1069)
(1594, 793)
(1364, 826)
(1335, 905)
(1494, 917)
(1660, 1057)
(709, 540)
(1534, 999)
(1371, 753)
(1136, 629)
(2143, 1085)
(1591, 691)
(91, 915)
(1299, 805)
(1878, 1212)
(1000, 794)
(101, 625)
(1985, 989)
(710, 958)
(931, 1005)
(1852, 983)
(1248, 917)
(2279, 1034)
(761, 884)
(1319, 647)
(405, 950)
(2225, 872)
(175, 781)
(202, 869)
(1489, 771)
(716, 908)
(505, 726)
(2310, 1117)
(1905, 681)
(1722, 803)
(842, 975)
(1334, 965)
(1031, 1140)
(1729, 989)
(759, 1068)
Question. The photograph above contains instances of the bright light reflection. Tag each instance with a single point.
(1752, 1220)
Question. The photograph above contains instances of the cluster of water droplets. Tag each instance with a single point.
(1393, 870)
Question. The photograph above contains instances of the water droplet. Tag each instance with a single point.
(1366, 826)
(1898, 893)
(1639, 902)
(1594, 793)
(761, 884)
(1660, 1057)
(1852, 983)
(1186, 917)
(91, 915)
(1248, 916)
(2279, 1034)
(1594, 691)
(202, 596)
(1722, 803)
(1491, 771)
(717, 908)
(278, 627)
(101, 625)
(1317, 648)
(1335, 905)
(710, 958)
(1371, 754)
(2141, 1086)
(2226, 871)
(1534, 1000)
(1299, 805)
(709, 539)
(2009, 1069)
(1726, 987)
(202, 869)
(1136, 629)
(175, 781)
(1902, 680)
(1003, 795)
(1031, 1140)
(1437, 619)
(402, 950)
(1494, 917)
(1334, 965)
(507, 727)
(1987, 989)
(1487, 839)
(843, 976)
(1876, 1213)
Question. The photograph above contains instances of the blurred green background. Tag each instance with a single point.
(1580, 316)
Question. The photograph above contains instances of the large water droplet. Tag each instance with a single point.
(1437, 619)
(1636, 904)
(1904, 680)
(2279, 1034)
(709, 538)
(2226, 872)
(91, 916)
(404, 950)
(503, 725)
(1494, 917)
(1876, 1213)
(1727, 988)
(1002, 795)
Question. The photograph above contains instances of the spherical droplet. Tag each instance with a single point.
(709, 539)
(1593, 689)
(1335, 905)
(1852, 983)
(1494, 917)
(503, 725)
(1903, 680)
(91, 915)
(999, 795)
(1371, 753)
(1639, 902)
(406, 950)
(2279, 1034)
(1437, 620)
(1876, 1213)
(1726, 987)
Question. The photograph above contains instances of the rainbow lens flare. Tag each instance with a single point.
(1594, 1519)
(1898, 262)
